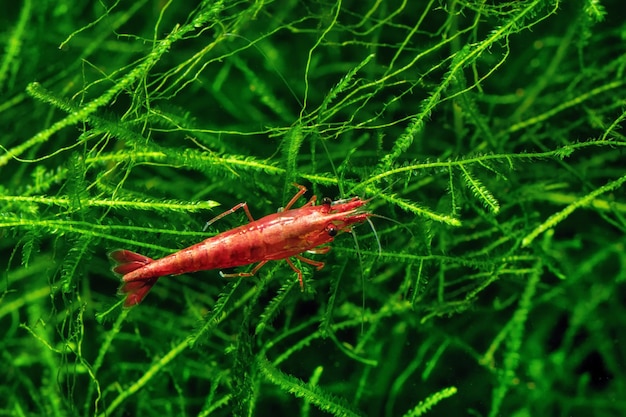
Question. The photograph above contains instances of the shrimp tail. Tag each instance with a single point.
(127, 262)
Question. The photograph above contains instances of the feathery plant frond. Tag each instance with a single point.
(324, 401)
(273, 307)
(480, 191)
(344, 84)
(424, 406)
(485, 136)
(291, 147)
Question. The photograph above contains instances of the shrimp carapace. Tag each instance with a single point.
(281, 235)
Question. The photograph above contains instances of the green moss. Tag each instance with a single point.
(488, 136)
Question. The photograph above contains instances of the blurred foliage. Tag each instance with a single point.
(488, 135)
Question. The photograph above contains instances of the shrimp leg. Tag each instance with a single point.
(318, 265)
(244, 274)
(320, 251)
(300, 193)
(243, 205)
(297, 271)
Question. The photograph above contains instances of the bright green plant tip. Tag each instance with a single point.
(486, 137)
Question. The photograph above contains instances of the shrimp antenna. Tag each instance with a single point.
(405, 227)
(358, 253)
(380, 248)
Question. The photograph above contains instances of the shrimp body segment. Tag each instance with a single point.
(277, 236)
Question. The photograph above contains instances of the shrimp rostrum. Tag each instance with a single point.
(281, 235)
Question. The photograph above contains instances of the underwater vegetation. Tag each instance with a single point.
(486, 137)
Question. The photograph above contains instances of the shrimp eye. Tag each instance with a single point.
(327, 201)
(332, 231)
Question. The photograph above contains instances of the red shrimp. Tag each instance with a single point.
(277, 236)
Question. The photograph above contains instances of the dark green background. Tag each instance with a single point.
(488, 135)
